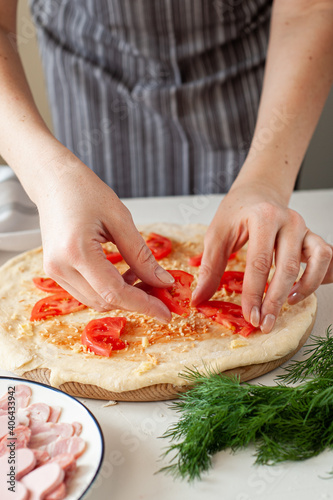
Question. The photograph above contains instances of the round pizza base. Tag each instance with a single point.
(160, 392)
(150, 369)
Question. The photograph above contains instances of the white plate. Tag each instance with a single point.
(90, 462)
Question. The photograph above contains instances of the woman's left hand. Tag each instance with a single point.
(253, 212)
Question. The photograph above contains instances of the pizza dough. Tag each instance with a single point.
(157, 353)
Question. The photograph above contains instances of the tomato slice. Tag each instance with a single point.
(47, 284)
(177, 297)
(159, 245)
(227, 314)
(195, 261)
(55, 305)
(113, 257)
(232, 281)
(102, 335)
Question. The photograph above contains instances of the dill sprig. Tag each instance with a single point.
(282, 422)
(319, 363)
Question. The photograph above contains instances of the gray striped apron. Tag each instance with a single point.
(158, 97)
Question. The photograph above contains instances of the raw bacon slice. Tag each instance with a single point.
(73, 445)
(77, 428)
(54, 414)
(22, 417)
(42, 456)
(3, 426)
(58, 494)
(22, 434)
(66, 461)
(22, 396)
(59, 428)
(4, 405)
(38, 414)
(49, 432)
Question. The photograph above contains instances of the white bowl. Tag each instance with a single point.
(19, 241)
(90, 462)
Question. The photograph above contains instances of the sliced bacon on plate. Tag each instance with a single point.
(21, 396)
(58, 494)
(49, 432)
(42, 456)
(73, 445)
(77, 428)
(3, 426)
(54, 414)
(22, 434)
(38, 413)
(22, 417)
(66, 461)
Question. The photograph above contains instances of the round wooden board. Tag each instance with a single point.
(159, 392)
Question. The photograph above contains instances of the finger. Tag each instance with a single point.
(73, 282)
(318, 256)
(328, 278)
(103, 279)
(258, 263)
(138, 256)
(213, 263)
(107, 282)
(287, 261)
(82, 291)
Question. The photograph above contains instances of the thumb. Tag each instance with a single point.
(139, 257)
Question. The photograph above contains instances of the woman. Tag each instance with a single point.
(160, 98)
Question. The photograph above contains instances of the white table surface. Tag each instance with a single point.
(131, 430)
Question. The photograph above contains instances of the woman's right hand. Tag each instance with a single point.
(78, 212)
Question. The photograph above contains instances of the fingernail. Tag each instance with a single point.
(295, 297)
(268, 323)
(164, 276)
(294, 289)
(196, 296)
(255, 316)
(163, 315)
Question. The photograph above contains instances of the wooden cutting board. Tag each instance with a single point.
(159, 392)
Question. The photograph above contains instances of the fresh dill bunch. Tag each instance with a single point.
(282, 422)
(319, 363)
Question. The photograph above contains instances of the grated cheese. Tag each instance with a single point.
(236, 343)
(144, 341)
